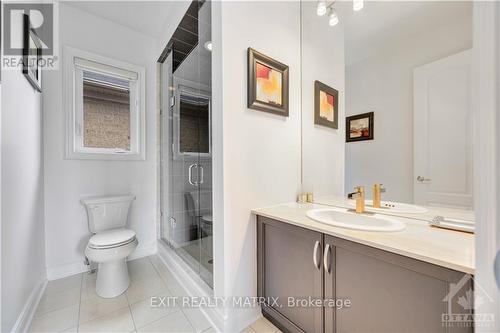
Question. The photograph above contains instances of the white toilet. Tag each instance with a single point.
(111, 243)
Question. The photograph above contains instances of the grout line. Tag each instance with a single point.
(130, 310)
(79, 305)
(189, 322)
(58, 308)
(161, 318)
(40, 315)
(158, 272)
(177, 309)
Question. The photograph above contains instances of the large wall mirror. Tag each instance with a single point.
(401, 79)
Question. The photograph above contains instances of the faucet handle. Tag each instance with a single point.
(354, 195)
(380, 188)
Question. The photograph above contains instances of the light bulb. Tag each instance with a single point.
(208, 45)
(334, 18)
(321, 9)
(357, 5)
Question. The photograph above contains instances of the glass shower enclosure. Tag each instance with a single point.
(186, 142)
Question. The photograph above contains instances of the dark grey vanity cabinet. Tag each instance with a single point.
(387, 292)
(290, 265)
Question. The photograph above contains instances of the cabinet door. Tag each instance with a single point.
(290, 265)
(388, 292)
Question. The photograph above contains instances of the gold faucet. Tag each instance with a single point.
(377, 190)
(359, 195)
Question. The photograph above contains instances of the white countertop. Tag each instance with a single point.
(446, 248)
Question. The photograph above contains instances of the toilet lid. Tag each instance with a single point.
(110, 238)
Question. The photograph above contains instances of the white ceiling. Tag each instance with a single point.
(383, 21)
(147, 17)
(365, 31)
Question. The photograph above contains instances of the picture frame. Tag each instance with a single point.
(359, 127)
(326, 105)
(32, 53)
(267, 85)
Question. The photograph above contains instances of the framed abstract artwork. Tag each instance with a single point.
(267, 84)
(326, 103)
(359, 127)
(32, 53)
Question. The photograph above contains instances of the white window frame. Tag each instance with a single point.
(75, 62)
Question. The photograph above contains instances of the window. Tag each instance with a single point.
(194, 126)
(105, 102)
(191, 125)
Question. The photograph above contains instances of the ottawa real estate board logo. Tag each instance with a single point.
(463, 298)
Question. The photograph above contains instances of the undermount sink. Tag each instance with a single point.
(391, 207)
(343, 218)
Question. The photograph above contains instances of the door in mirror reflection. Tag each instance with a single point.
(442, 144)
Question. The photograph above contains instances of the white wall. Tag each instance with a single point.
(322, 147)
(383, 83)
(23, 236)
(261, 151)
(257, 160)
(68, 180)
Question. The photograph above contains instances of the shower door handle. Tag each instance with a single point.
(190, 174)
(201, 175)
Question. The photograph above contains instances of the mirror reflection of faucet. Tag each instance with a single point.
(378, 189)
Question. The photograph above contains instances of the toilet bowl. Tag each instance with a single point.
(111, 243)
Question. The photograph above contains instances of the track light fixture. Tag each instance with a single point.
(324, 7)
(357, 5)
(321, 8)
(334, 18)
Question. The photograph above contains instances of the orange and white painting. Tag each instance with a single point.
(269, 86)
(326, 106)
(359, 128)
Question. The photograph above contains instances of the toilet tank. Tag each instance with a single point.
(104, 213)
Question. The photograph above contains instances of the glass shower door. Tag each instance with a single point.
(191, 147)
(186, 160)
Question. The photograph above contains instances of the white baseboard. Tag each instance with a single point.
(25, 318)
(59, 272)
(194, 286)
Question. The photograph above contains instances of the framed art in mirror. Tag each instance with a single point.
(359, 127)
(326, 102)
(32, 53)
(267, 84)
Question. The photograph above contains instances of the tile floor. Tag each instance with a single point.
(71, 305)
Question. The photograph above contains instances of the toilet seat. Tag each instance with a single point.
(112, 238)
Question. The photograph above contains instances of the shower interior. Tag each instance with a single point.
(186, 145)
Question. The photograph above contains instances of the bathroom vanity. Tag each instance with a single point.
(403, 281)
